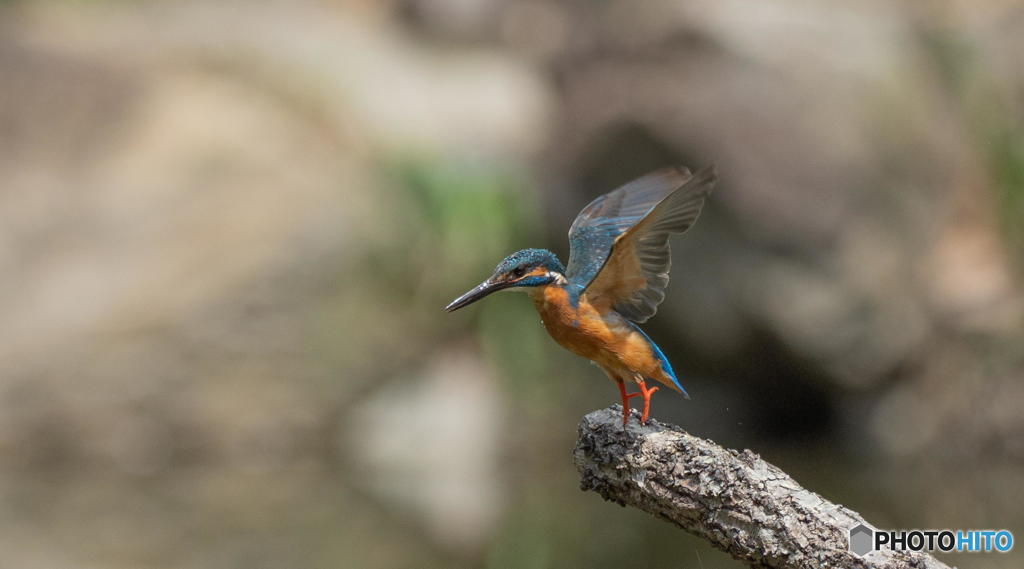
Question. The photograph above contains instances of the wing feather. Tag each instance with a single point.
(620, 252)
(596, 228)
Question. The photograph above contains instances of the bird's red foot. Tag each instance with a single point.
(625, 400)
(646, 393)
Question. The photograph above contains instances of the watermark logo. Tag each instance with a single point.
(865, 539)
(862, 539)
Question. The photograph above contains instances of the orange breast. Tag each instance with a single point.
(606, 339)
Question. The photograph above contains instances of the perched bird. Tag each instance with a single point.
(619, 262)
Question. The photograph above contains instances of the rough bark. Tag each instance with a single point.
(737, 501)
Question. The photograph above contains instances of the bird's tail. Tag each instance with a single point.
(665, 365)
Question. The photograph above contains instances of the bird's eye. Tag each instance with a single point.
(518, 272)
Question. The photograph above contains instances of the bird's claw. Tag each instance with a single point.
(647, 400)
(644, 392)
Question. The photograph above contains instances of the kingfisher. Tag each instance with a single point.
(619, 260)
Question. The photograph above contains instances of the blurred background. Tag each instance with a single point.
(227, 230)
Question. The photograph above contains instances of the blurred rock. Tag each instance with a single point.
(433, 445)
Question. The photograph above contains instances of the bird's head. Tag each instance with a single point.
(521, 270)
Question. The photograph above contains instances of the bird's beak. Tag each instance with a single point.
(483, 289)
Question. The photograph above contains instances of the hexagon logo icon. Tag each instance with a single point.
(862, 539)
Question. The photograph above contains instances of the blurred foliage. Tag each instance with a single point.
(471, 211)
(472, 215)
(997, 129)
(1006, 143)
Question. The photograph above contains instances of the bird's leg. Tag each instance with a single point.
(647, 399)
(625, 400)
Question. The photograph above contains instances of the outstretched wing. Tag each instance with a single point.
(619, 251)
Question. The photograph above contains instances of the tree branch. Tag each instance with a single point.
(737, 501)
